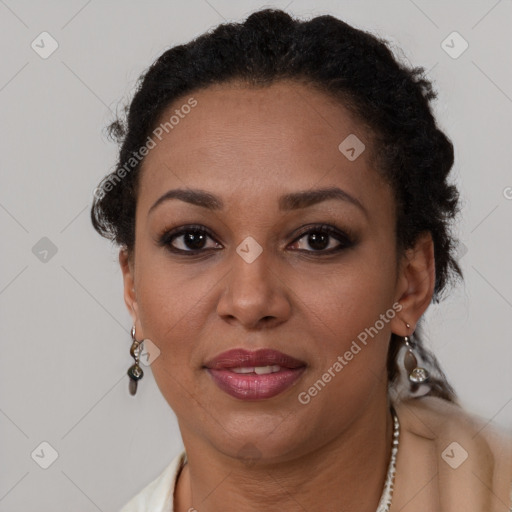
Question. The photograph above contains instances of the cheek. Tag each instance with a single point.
(170, 294)
(349, 318)
(174, 308)
(358, 334)
(347, 301)
(170, 315)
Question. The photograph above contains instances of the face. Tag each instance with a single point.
(264, 267)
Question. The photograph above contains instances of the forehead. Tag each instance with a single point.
(283, 137)
(287, 114)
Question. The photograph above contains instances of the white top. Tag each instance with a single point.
(158, 496)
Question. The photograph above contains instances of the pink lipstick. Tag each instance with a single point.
(256, 375)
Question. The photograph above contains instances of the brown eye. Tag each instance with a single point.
(188, 239)
(323, 238)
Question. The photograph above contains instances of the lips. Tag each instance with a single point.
(240, 358)
(257, 375)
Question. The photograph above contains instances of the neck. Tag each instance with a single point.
(346, 473)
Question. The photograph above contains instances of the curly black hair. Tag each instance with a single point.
(388, 98)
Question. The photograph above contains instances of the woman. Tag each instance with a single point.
(283, 210)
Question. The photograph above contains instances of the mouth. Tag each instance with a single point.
(254, 375)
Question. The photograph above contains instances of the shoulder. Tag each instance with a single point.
(469, 457)
(440, 420)
(158, 495)
(439, 414)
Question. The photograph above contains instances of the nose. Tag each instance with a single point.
(255, 295)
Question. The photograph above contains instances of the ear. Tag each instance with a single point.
(415, 284)
(130, 297)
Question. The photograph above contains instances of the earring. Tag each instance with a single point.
(416, 374)
(135, 372)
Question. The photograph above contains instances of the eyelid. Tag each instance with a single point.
(334, 231)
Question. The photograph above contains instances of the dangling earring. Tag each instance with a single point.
(417, 375)
(135, 372)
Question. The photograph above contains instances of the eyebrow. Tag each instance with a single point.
(287, 202)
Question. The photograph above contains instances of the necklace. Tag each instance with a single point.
(387, 494)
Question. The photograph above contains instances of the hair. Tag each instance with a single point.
(388, 98)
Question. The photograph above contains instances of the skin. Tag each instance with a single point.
(248, 146)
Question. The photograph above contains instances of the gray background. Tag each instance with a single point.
(65, 331)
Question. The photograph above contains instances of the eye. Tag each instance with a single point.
(191, 239)
(322, 238)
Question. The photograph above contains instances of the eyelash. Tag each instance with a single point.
(346, 239)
